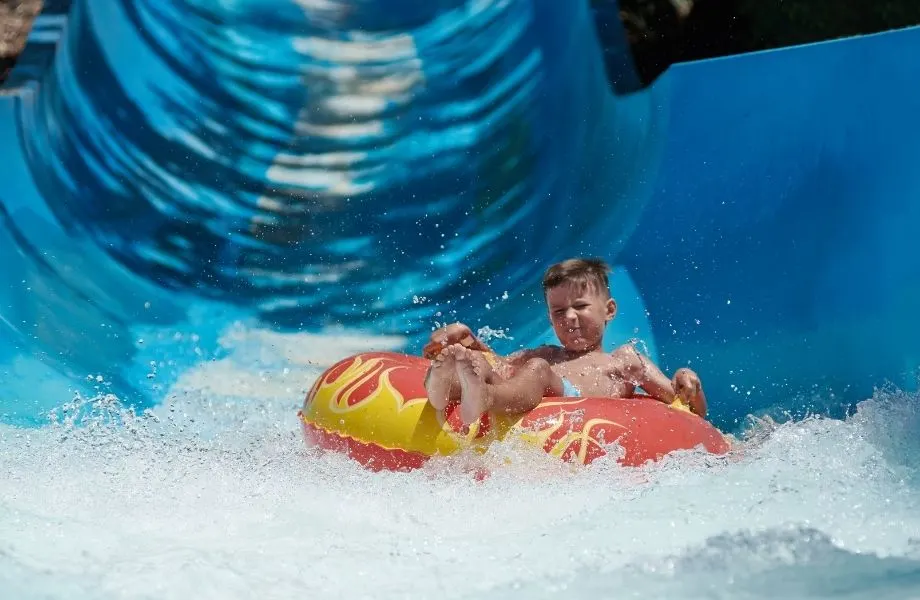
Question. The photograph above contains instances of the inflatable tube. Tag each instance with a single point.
(373, 407)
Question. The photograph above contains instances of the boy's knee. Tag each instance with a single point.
(543, 372)
(538, 365)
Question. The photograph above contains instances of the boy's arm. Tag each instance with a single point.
(643, 372)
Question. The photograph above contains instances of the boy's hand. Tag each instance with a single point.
(689, 389)
(455, 333)
(686, 383)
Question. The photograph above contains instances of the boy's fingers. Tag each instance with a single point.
(457, 330)
(432, 349)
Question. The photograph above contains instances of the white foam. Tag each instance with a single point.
(214, 495)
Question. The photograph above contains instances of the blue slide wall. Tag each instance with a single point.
(778, 250)
(181, 164)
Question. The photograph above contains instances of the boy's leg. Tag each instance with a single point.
(442, 383)
(481, 392)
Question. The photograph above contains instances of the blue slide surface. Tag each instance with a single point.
(175, 165)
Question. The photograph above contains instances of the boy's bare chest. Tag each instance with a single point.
(595, 376)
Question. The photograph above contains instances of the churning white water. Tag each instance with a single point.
(214, 495)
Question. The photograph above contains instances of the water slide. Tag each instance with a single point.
(172, 167)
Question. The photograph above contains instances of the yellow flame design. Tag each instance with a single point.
(582, 437)
(385, 417)
(358, 374)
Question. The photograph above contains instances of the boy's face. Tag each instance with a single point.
(579, 314)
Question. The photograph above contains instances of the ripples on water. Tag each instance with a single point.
(215, 495)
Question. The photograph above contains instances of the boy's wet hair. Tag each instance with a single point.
(581, 271)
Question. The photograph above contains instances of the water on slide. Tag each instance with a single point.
(149, 446)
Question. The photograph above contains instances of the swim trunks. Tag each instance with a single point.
(569, 390)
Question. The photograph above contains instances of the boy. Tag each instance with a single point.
(580, 306)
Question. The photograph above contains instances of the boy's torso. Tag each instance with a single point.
(594, 374)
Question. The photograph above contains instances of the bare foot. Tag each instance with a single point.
(441, 376)
(474, 372)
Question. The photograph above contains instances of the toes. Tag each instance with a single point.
(481, 365)
(449, 353)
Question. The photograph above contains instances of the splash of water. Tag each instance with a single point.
(214, 494)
